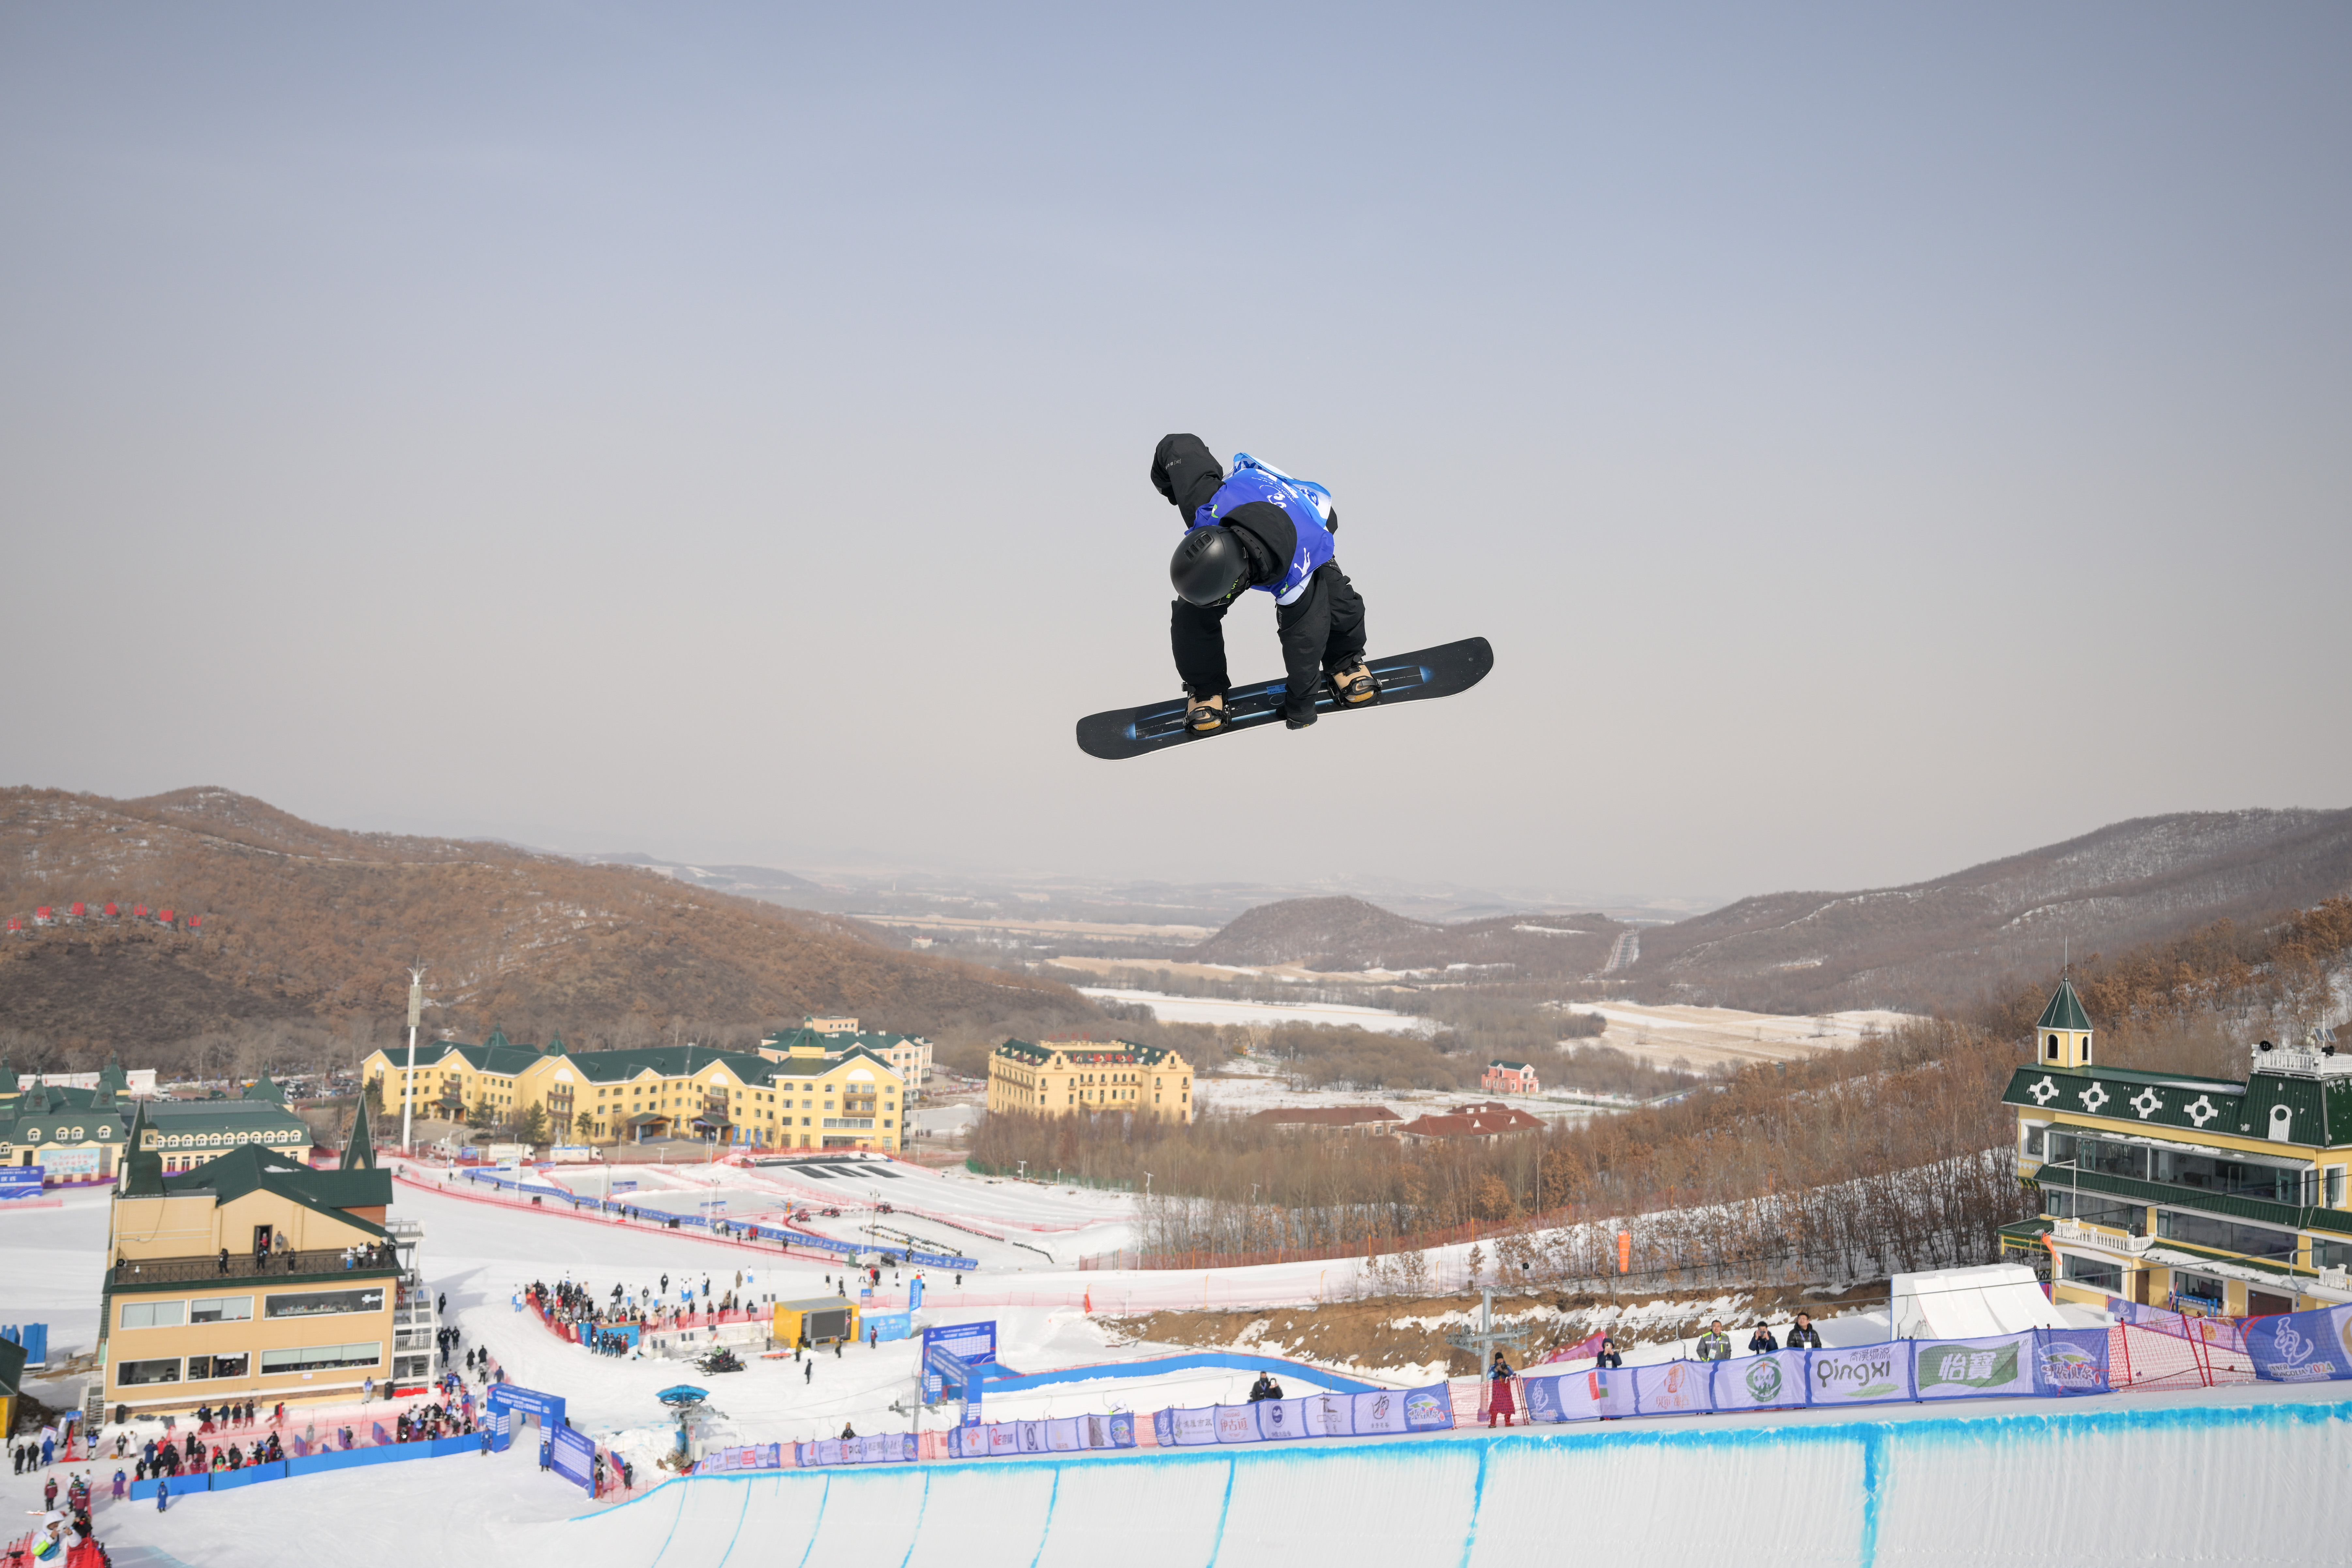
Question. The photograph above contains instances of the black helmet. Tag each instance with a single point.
(1209, 567)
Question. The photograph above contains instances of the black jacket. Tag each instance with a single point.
(1321, 629)
(1804, 1338)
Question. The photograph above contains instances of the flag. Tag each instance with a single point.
(1580, 1350)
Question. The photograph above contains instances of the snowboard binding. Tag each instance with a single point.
(1353, 685)
(1206, 716)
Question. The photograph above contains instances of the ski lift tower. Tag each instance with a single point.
(1483, 1341)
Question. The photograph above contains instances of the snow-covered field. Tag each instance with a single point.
(1223, 1010)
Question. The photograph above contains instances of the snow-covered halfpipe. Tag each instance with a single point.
(2252, 1483)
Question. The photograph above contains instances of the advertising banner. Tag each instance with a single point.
(884, 1327)
(2070, 1361)
(1279, 1419)
(2302, 1347)
(1330, 1414)
(1760, 1382)
(1678, 1388)
(1973, 1369)
(1859, 1374)
(965, 1341)
(68, 1162)
(1236, 1423)
(20, 1182)
(572, 1455)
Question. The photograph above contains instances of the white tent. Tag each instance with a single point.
(1971, 1303)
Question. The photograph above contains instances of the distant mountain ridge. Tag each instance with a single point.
(1929, 945)
(303, 921)
(1949, 939)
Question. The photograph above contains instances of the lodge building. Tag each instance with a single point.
(253, 1276)
(810, 1097)
(2211, 1195)
(1064, 1077)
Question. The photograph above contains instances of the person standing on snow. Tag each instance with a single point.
(1802, 1335)
(1257, 528)
(1715, 1345)
(1500, 1398)
(1761, 1341)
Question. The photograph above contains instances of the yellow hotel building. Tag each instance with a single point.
(808, 1098)
(1062, 1078)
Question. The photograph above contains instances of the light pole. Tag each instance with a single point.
(408, 1089)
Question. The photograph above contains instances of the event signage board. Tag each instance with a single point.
(1760, 1382)
(1676, 1387)
(2070, 1361)
(1973, 1369)
(1397, 1410)
(2302, 1347)
(1859, 1374)
(572, 1455)
(20, 1182)
(969, 1342)
(68, 1161)
(547, 1407)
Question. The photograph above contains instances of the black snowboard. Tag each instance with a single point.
(1402, 677)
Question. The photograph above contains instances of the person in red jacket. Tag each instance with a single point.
(1501, 1400)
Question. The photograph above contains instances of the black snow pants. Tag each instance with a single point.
(1321, 630)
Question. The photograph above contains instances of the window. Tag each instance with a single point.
(2336, 1186)
(153, 1314)
(2238, 1178)
(226, 1363)
(2097, 1275)
(319, 1303)
(2224, 1235)
(2034, 1132)
(2095, 1208)
(2331, 1254)
(137, 1373)
(220, 1309)
(320, 1358)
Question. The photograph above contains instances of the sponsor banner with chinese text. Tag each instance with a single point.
(1396, 1410)
(1761, 1381)
(1859, 1374)
(2302, 1347)
(1678, 1388)
(1973, 1369)
(2070, 1361)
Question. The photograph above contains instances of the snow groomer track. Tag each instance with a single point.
(2254, 1483)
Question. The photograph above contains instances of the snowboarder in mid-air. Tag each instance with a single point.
(1258, 528)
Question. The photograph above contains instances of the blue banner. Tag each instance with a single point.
(2302, 1347)
(547, 1407)
(20, 1182)
(2070, 1361)
(572, 1456)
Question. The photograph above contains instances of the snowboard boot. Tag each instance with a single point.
(1207, 714)
(1352, 685)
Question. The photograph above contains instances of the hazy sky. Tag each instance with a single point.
(1874, 440)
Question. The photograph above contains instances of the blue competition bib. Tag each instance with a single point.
(1308, 504)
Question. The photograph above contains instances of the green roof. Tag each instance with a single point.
(1112, 1053)
(2179, 1105)
(251, 1168)
(2065, 1010)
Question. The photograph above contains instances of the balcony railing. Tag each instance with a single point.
(2074, 1233)
(2261, 1210)
(244, 1266)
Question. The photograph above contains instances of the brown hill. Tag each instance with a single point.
(301, 921)
(1964, 936)
(1333, 934)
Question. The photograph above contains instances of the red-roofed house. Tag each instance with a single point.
(1510, 1078)
(1486, 1123)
